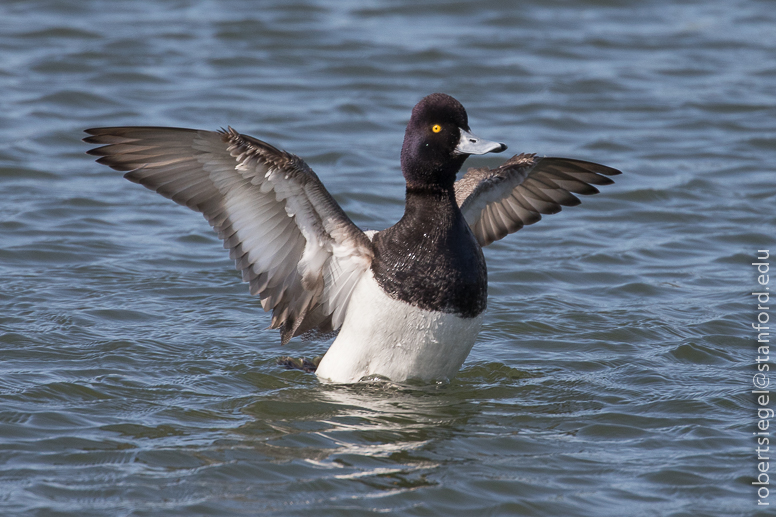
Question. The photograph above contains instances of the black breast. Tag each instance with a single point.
(430, 258)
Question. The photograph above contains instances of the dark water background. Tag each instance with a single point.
(614, 370)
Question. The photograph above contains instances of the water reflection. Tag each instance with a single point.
(380, 420)
(382, 436)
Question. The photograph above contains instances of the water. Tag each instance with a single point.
(614, 370)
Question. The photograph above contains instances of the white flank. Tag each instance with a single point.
(390, 338)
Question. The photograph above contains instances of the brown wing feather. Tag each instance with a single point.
(500, 201)
(289, 238)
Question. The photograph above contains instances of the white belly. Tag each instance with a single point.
(390, 338)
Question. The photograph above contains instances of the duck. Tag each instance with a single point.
(405, 303)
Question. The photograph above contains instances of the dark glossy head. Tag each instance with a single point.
(437, 142)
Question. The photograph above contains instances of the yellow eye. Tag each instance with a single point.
(436, 128)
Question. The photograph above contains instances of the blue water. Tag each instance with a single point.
(613, 375)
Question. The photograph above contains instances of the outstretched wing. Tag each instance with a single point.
(290, 239)
(500, 201)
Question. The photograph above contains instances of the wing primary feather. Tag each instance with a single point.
(499, 201)
(286, 233)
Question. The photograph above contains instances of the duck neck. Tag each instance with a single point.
(433, 204)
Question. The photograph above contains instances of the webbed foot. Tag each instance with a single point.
(302, 363)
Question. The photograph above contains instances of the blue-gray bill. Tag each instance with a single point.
(470, 144)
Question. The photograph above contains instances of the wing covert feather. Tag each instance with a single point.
(289, 238)
(500, 201)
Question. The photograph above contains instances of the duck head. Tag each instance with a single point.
(437, 142)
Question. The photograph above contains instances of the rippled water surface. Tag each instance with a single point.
(614, 370)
